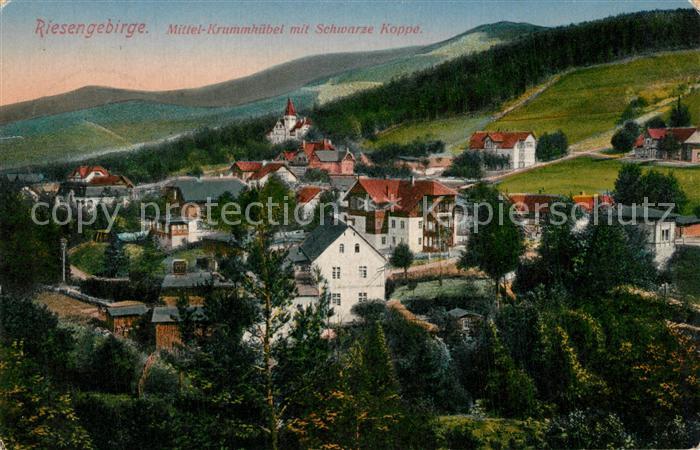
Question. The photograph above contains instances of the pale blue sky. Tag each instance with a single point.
(33, 66)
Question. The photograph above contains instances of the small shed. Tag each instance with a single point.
(166, 320)
(121, 316)
(468, 321)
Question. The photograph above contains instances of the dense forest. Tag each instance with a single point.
(574, 359)
(484, 80)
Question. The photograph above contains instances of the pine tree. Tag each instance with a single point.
(680, 115)
(116, 260)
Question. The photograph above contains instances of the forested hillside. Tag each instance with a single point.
(486, 79)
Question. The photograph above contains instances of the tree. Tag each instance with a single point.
(552, 146)
(614, 254)
(402, 257)
(33, 412)
(467, 164)
(655, 122)
(363, 409)
(633, 187)
(508, 390)
(270, 281)
(680, 115)
(623, 139)
(628, 184)
(29, 253)
(116, 260)
(669, 147)
(661, 189)
(496, 243)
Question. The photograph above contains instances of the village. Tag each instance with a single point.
(348, 258)
(451, 225)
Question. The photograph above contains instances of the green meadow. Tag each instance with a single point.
(592, 175)
(589, 101)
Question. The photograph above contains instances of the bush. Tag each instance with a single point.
(588, 429)
(120, 422)
(460, 432)
(552, 146)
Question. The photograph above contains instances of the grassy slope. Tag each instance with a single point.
(89, 256)
(585, 103)
(589, 101)
(592, 175)
(453, 131)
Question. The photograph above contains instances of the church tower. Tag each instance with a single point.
(290, 115)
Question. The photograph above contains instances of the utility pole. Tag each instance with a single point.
(64, 243)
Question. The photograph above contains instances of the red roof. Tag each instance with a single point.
(406, 194)
(532, 203)
(266, 170)
(84, 171)
(247, 166)
(506, 139)
(290, 111)
(111, 180)
(301, 123)
(681, 134)
(589, 201)
(307, 193)
(311, 147)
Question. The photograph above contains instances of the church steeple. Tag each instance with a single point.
(290, 111)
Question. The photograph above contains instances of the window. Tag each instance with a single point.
(383, 240)
(362, 296)
(666, 235)
(357, 248)
(420, 241)
(403, 224)
(420, 224)
(336, 273)
(393, 223)
(363, 271)
(393, 240)
(335, 299)
(341, 249)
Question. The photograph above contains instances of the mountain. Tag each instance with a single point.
(96, 120)
(276, 80)
(268, 83)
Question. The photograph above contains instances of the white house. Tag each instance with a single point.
(518, 146)
(659, 227)
(388, 212)
(289, 127)
(308, 197)
(351, 269)
(90, 186)
(260, 177)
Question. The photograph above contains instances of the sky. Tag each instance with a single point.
(33, 66)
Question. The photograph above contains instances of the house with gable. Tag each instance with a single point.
(319, 155)
(518, 146)
(420, 213)
(279, 169)
(243, 170)
(308, 197)
(90, 186)
(190, 195)
(648, 144)
(290, 127)
(351, 269)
